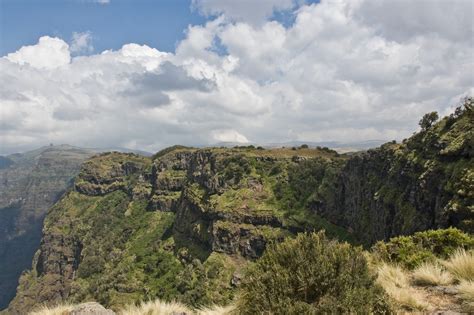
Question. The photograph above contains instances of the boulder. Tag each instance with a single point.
(91, 308)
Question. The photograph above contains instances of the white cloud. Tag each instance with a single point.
(50, 52)
(102, 1)
(254, 12)
(403, 19)
(338, 73)
(81, 43)
(229, 136)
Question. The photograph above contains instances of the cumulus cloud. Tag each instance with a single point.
(81, 42)
(229, 135)
(404, 19)
(254, 12)
(50, 52)
(343, 71)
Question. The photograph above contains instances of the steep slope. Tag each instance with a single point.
(29, 184)
(180, 225)
(426, 182)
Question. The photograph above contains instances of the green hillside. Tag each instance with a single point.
(184, 223)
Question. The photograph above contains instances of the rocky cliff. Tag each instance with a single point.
(426, 182)
(182, 224)
(29, 184)
(179, 225)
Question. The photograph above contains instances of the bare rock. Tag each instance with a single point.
(91, 308)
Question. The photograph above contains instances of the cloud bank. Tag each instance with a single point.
(343, 71)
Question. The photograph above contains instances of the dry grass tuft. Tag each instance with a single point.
(408, 298)
(216, 310)
(461, 265)
(390, 275)
(63, 309)
(429, 274)
(466, 293)
(395, 282)
(156, 307)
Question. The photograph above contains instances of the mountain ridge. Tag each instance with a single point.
(185, 222)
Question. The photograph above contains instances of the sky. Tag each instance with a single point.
(150, 74)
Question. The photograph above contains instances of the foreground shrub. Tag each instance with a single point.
(311, 274)
(461, 265)
(431, 274)
(411, 251)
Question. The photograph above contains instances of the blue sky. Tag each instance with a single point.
(159, 24)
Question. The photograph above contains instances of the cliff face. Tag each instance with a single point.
(177, 226)
(29, 184)
(182, 224)
(423, 183)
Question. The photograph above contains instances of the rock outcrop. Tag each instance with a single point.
(90, 308)
(30, 183)
(426, 182)
(191, 218)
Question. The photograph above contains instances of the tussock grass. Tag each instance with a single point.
(156, 307)
(392, 275)
(461, 265)
(408, 298)
(395, 282)
(430, 274)
(216, 310)
(466, 293)
(63, 309)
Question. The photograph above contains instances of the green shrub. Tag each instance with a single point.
(235, 167)
(310, 274)
(411, 251)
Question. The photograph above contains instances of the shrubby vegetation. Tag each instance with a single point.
(311, 274)
(411, 251)
(416, 290)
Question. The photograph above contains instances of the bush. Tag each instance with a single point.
(411, 251)
(428, 119)
(311, 274)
